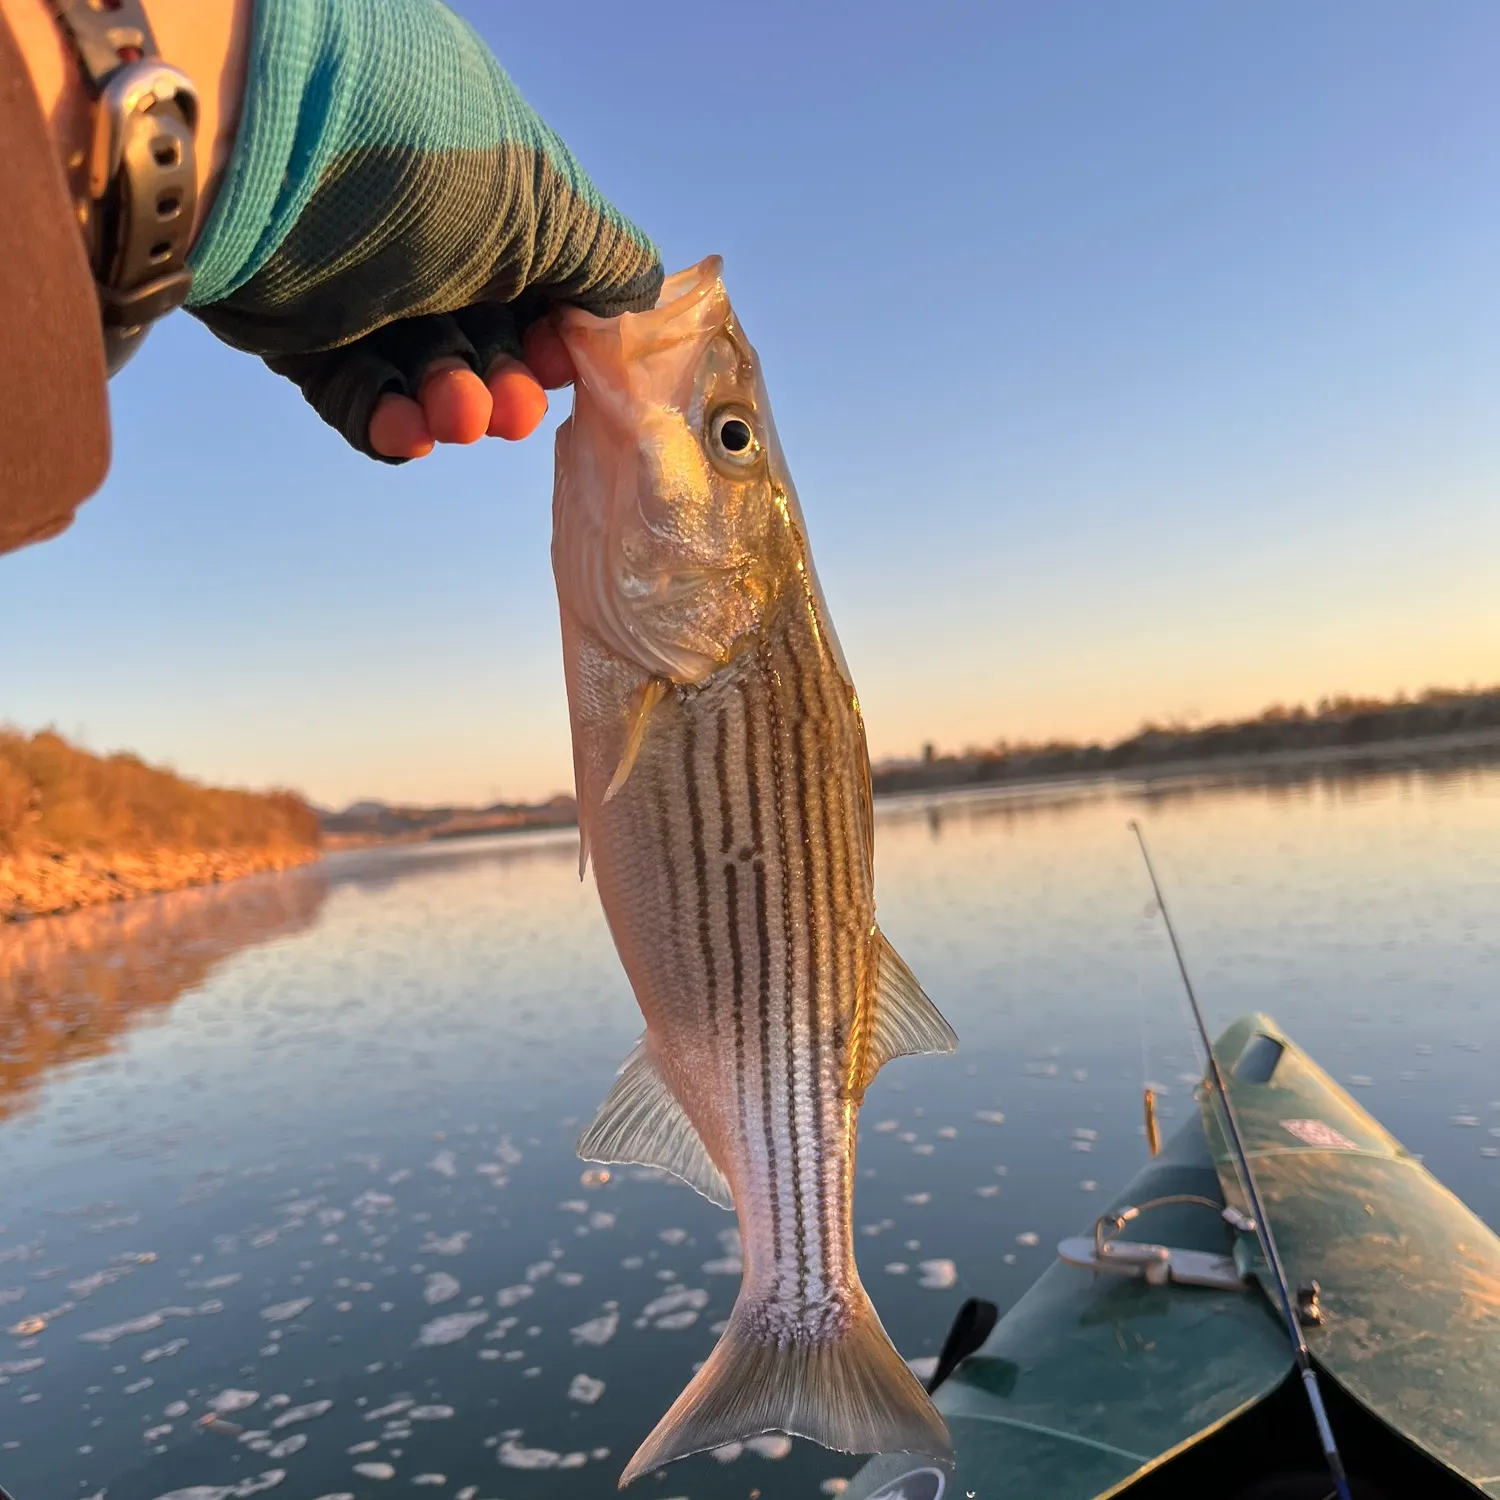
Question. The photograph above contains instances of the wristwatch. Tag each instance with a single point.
(142, 177)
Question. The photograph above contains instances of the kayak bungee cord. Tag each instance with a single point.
(1252, 1195)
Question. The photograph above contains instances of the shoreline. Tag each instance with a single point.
(53, 882)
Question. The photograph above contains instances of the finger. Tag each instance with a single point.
(547, 355)
(455, 402)
(398, 429)
(518, 401)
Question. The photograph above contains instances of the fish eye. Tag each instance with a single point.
(732, 438)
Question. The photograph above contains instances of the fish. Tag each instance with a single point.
(724, 801)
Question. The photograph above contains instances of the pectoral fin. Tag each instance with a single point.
(645, 698)
(905, 1021)
(641, 1121)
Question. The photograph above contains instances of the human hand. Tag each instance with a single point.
(395, 222)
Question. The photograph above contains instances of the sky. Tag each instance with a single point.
(1132, 362)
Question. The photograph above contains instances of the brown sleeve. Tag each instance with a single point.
(54, 410)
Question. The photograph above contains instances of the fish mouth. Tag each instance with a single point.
(680, 295)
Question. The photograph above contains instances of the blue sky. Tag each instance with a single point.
(1132, 361)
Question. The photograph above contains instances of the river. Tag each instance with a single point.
(288, 1200)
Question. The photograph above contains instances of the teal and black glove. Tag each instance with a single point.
(391, 201)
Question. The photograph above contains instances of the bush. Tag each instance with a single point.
(56, 796)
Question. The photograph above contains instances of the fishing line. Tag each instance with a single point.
(1252, 1195)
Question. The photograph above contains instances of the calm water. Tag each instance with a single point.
(310, 1137)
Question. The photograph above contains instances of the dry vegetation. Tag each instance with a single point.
(54, 796)
(77, 828)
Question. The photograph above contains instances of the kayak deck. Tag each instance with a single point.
(1095, 1386)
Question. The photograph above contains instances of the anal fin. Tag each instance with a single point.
(906, 1021)
(641, 1122)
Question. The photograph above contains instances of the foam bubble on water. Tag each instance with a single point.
(948, 1133)
(601, 1220)
(151, 1434)
(304, 1413)
(22, 1366)
(267, 1481)
(729, 1265)
(450, 1328)
(445, 1164)
(834, 1486)
(924, 1366)
(453, 1244)
(885, 1127)
(429, 1479)
(164, 1351)
(175, 1409)
(539, 1269)
(366, 1447)
(216, 1283)
(283, 1312)
(573, 1206)
(917, 1198)
(938, 1274)
(897, 1268)
(143, 1324)
(569, 1278)
(144, 1384)
(441, 1287)
(1468, 1121)
(989, 1190)
(597, 1331)
(508, 1296)
(375, 1470)
(430, 1413)
(288, 1446)
(585, 1388)
(772, 1445)
(1028, 1238)
(342, 1495)
(726, 1453)
(513, 1456)
(671, 1305)
(1088, 1185)
(672, 1236)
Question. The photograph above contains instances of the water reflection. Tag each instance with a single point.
(338, 1180)
(70, 986)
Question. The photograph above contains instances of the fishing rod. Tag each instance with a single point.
(1252, 1195)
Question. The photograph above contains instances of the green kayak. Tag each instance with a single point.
(1149, 1359)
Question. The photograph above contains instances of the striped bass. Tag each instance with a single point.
(724, 798)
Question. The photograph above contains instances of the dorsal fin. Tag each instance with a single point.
(905, 1020)
(641, 1122)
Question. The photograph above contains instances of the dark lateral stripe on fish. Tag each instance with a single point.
(752, 779)
(737, 976)
(700, 868)
(763, 941)
(721, 777)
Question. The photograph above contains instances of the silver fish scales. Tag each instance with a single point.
(724, 798)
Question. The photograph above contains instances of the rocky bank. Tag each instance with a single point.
(45, 882)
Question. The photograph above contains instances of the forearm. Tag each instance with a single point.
(207, 39)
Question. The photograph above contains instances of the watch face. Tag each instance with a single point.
(920, 1484)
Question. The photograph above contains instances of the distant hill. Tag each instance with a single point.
(76, 828)
(368, 822)
(1335, 726)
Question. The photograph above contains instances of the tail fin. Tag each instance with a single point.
(854, 1394)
